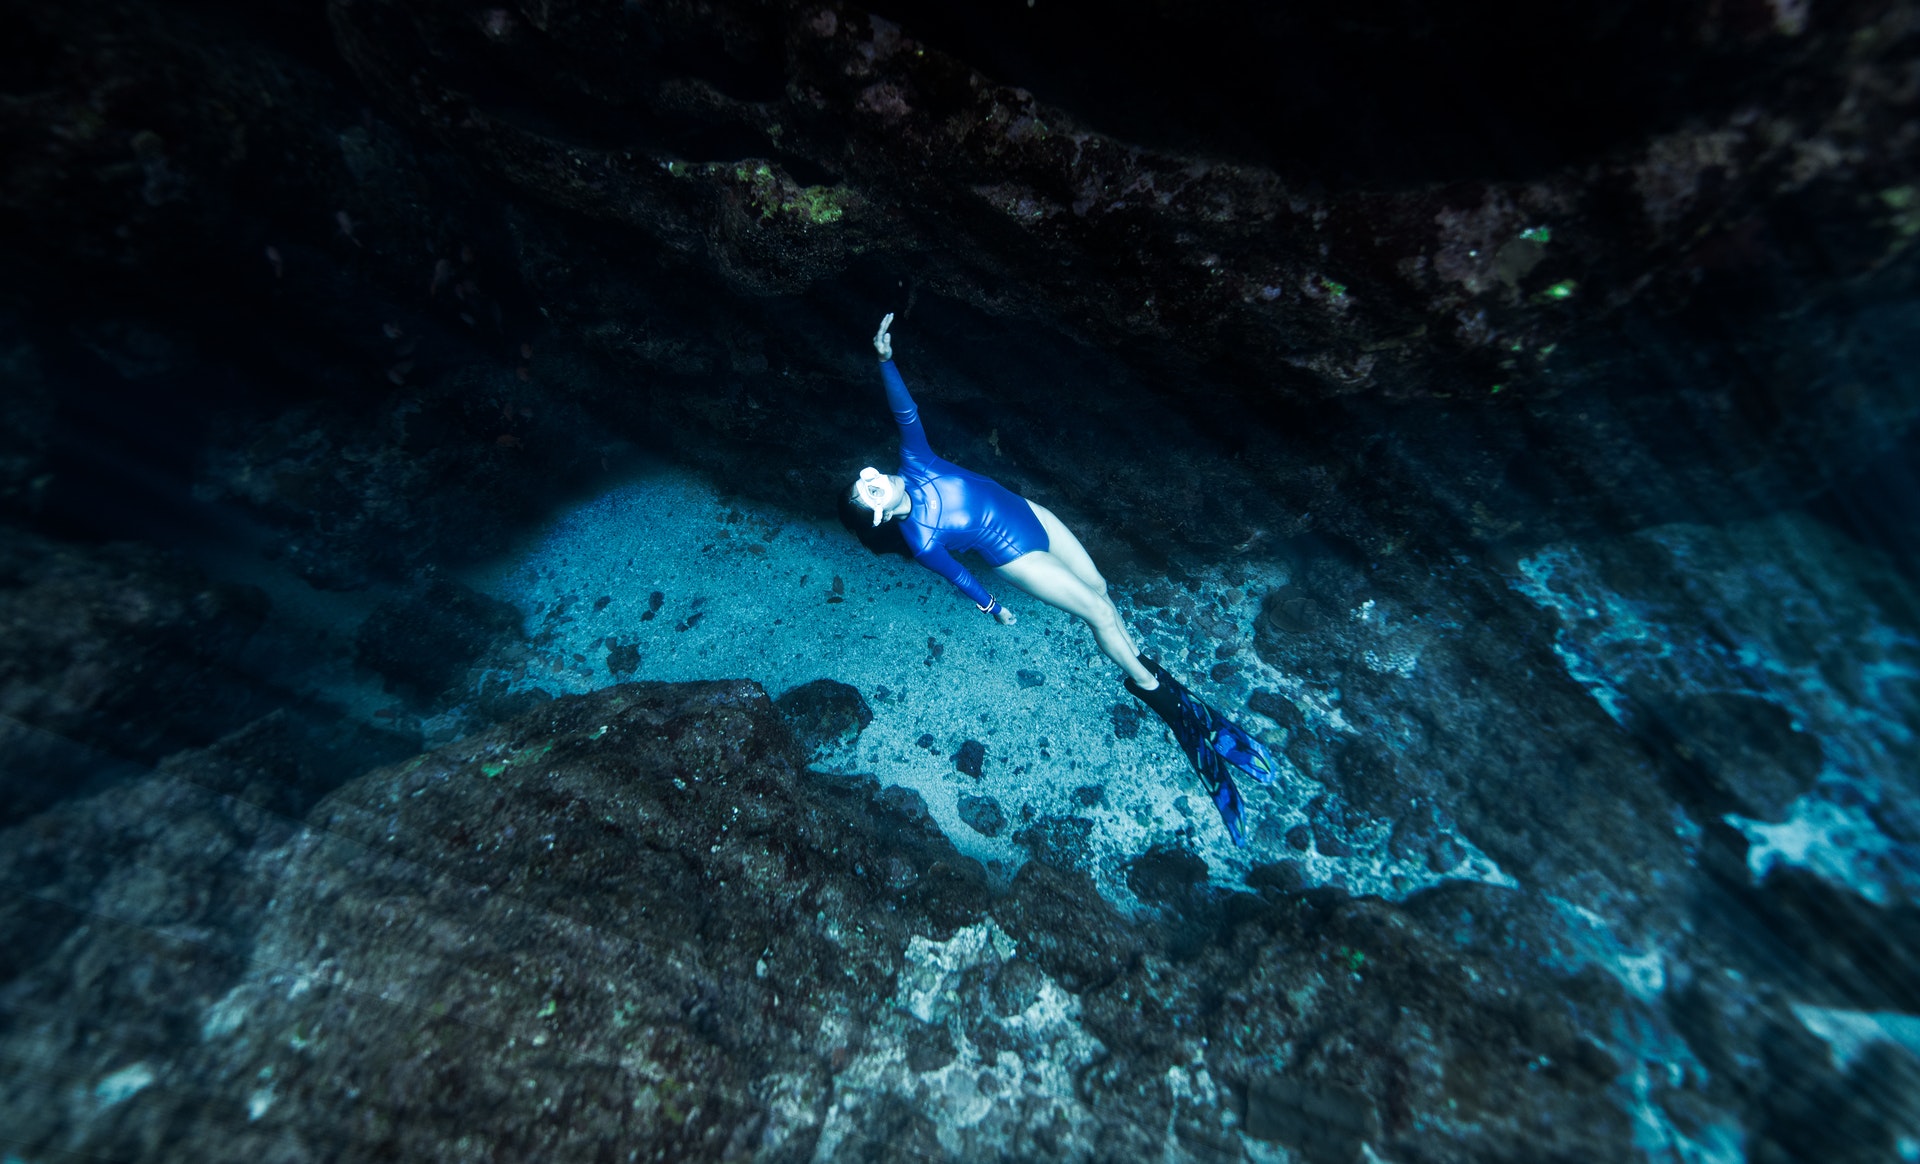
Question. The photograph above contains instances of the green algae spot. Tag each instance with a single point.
(1537, 234)
(773, 193)
(679, 169)
(493, 768)
(550, 1009)
(818, 204)
(1353, 958)
(1564, 289)
(1337, 290)
(1499, 388)
(1904, 201)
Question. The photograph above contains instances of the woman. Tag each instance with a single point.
(943, 510)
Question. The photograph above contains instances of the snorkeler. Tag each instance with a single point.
(943, 509)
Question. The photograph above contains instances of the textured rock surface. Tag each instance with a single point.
(109, 655)
(825, 716)
(423, 643)
(628, 924)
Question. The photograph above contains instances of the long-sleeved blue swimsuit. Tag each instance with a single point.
(955, 509)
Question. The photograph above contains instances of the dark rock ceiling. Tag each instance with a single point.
(1382, 274)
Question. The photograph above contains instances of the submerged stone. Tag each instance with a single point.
(971, 758)
(1327, 1122)
(825, 716)
(983, 815)
(1059, 841)
(422, 643)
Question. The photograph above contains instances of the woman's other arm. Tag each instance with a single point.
(906, 415)
(947, 566)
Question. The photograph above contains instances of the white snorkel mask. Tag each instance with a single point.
(879, 508)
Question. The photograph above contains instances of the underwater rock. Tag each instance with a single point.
(1275, 707)
(983, 815)
(1444, 854)
(1412, 833)
(128, 918)
(481, 899)
(1366, 775)
(111, 655)
(1328, 1123)
(423, 643)
(1058, 921)
(27, 417)
(971, 758)
(622, 658)
(1430, 393)
(1165, 875)
(1737, 753)
(497, 702)
(1059, 841)
(1332, 823)
(287, 760)
(905, 802)
(640, 893)
(825, 716)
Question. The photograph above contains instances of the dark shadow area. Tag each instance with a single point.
(1384, 93)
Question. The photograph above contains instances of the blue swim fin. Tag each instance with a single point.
(1213, 744)
(1204, 725)
(1226, 798)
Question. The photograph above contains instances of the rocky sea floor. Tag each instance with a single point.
(1584, 851)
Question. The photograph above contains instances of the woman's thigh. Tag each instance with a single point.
(1045, 576)
(1064, 546)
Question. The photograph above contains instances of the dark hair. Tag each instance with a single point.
(881, 539)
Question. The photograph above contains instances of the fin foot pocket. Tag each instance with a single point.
(1212, 743)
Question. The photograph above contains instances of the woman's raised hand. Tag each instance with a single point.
(882, 342)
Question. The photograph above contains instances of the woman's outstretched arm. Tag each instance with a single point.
(944, 564)
(906, 415)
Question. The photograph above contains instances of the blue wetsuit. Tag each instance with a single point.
(955, 509)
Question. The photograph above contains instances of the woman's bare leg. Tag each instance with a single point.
(1068, 549)
(1048, 578)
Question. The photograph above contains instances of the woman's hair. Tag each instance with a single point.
(858, 518)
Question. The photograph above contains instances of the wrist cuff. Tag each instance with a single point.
(990, 607)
